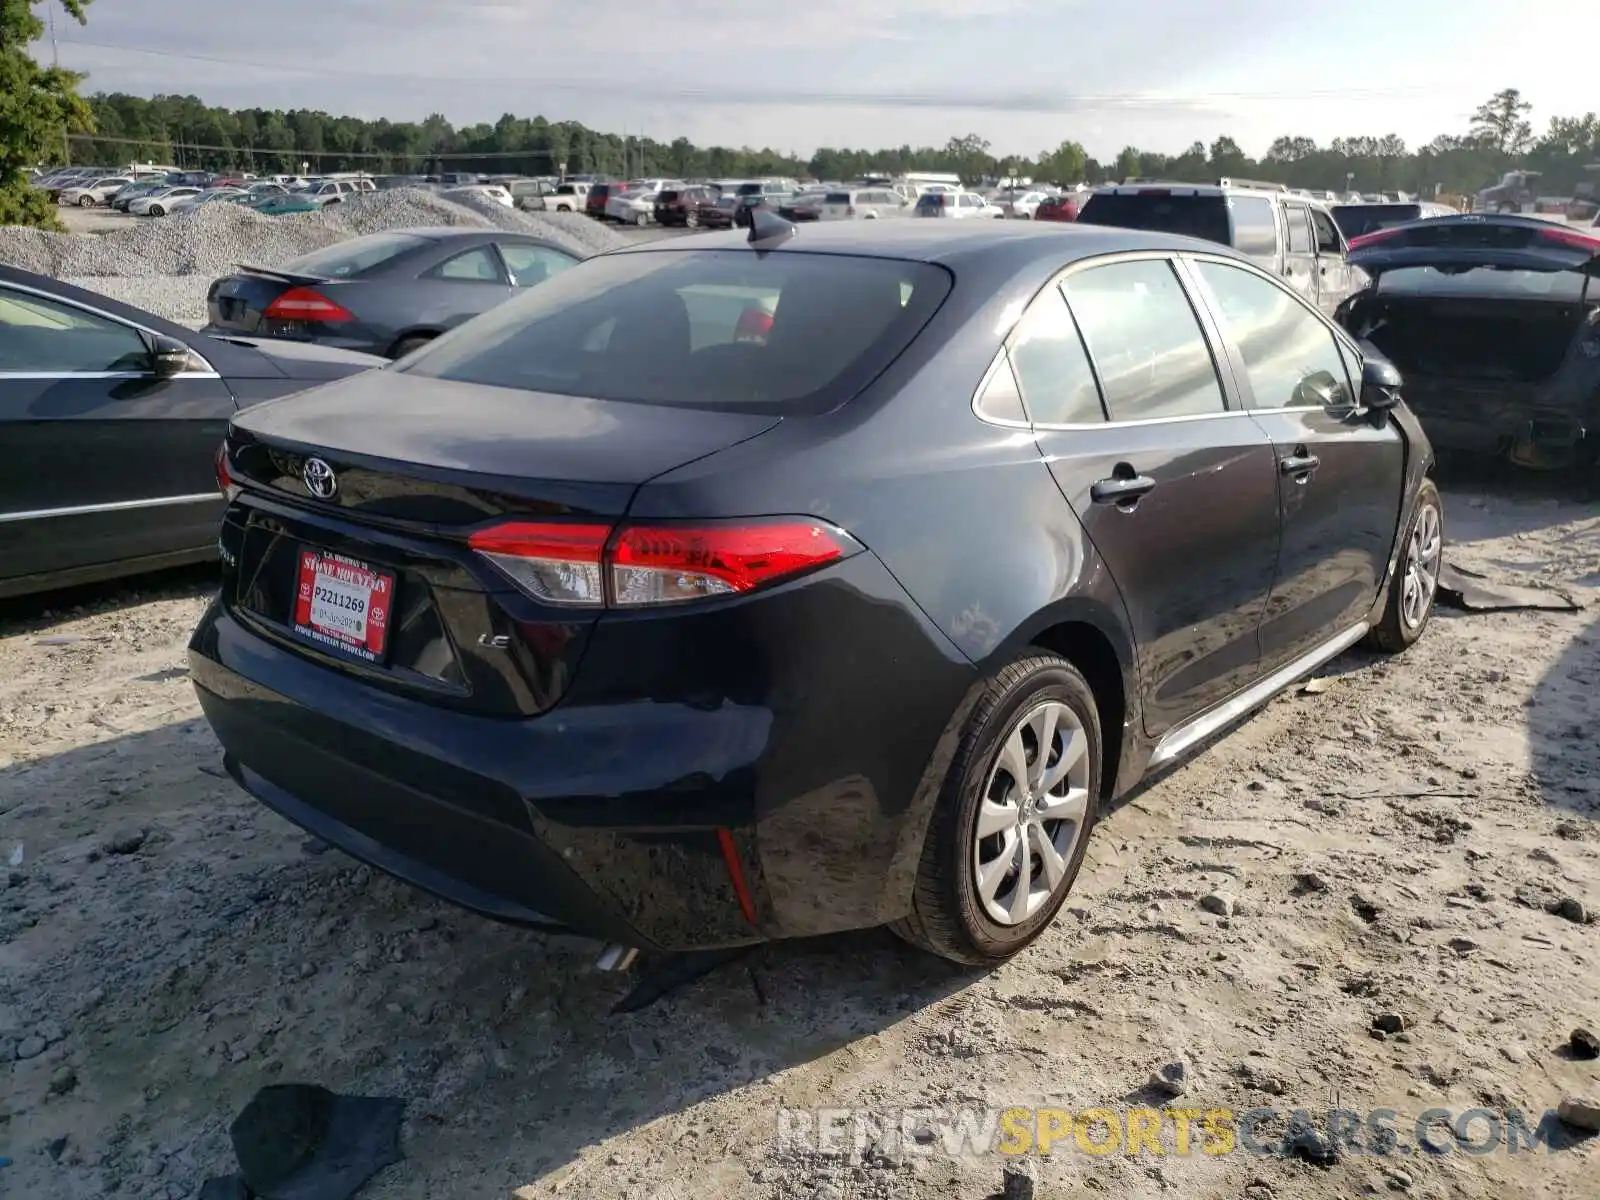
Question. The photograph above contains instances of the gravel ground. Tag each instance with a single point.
(1390, 845)
(165, 265)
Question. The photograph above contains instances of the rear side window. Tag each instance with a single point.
(1203, 217)
(1052, 369)
(1147, 346)
(344, 259)
(726, 329)
(1294, 216)
(1255, 228)
(669, 196)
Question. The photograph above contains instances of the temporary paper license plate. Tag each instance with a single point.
(343, 604)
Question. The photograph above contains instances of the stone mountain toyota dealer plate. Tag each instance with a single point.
(343, 604)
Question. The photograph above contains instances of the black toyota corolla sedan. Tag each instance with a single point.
(110, 419)
(746, 588)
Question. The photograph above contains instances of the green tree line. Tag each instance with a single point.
(187, 132)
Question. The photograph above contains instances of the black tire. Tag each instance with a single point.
(85, 201)
(157, 211)
(946, 917)
(691, 219)
(406, 345)
(1396, 632)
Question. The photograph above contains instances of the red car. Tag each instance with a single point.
(594, 205)
(1057, 208)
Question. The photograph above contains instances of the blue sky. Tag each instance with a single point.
(1159, 74)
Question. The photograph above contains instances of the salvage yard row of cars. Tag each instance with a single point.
(615, 609)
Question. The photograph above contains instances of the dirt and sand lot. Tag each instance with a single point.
(1395, 844)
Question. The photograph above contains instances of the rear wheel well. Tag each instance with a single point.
(1086, 648)
(411, 335)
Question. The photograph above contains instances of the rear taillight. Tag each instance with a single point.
(306, 304)
(1570, 238)
(636, 566)
(754, 325)
(225, 481)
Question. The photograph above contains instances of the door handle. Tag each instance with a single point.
(1121, 489)
(1299, 464)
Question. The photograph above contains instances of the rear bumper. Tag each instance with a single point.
(1535, 426)
(614, 816)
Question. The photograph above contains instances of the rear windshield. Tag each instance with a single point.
(1355, 219)
(1204, 217)
(726, 329)
(1484, 282)
(344, 259)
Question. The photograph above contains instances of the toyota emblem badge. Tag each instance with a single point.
(319, 479)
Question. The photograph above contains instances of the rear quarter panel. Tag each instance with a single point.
(965, 516)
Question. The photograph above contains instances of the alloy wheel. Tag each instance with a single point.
(1421, 577)
(1032, 813)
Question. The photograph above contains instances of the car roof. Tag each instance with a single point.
(950, 243)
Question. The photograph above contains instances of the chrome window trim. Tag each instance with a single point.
(1179, 260)
(84, 510)
(210, 371)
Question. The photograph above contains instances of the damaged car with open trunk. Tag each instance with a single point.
(1494, 321)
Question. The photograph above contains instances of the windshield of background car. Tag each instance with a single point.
(1487, 283)
(724, 329)
(1204, 217)
(344, 259)
(1355, 219)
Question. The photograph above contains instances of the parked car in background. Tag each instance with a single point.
(1291, 236)
(126, 195)
(1495, 323)
(481, 191)
(594, 204)
(284, 205)
(1021, 206)
(118, 414)
(803, 204)
(216, 195)
(687, 206)
(633, 204)
(862, 204)
(385, 293)
(558, 197)
(451, 591)
(1355, 220)
(161, 201)
(955, 205)
(759, 193)
(1057, 208)
(95, 191)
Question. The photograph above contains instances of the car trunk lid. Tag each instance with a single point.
(417, 466)
(1456, 245)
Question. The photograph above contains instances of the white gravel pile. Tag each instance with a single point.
(165, 265)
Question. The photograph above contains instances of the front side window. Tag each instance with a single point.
(1292, 358)
(42, 336)
(472, 266)
(1145, 341)
(1255, 226)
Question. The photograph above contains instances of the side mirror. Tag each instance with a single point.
(1321, 390)
(1380, 385)
(169, 357)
